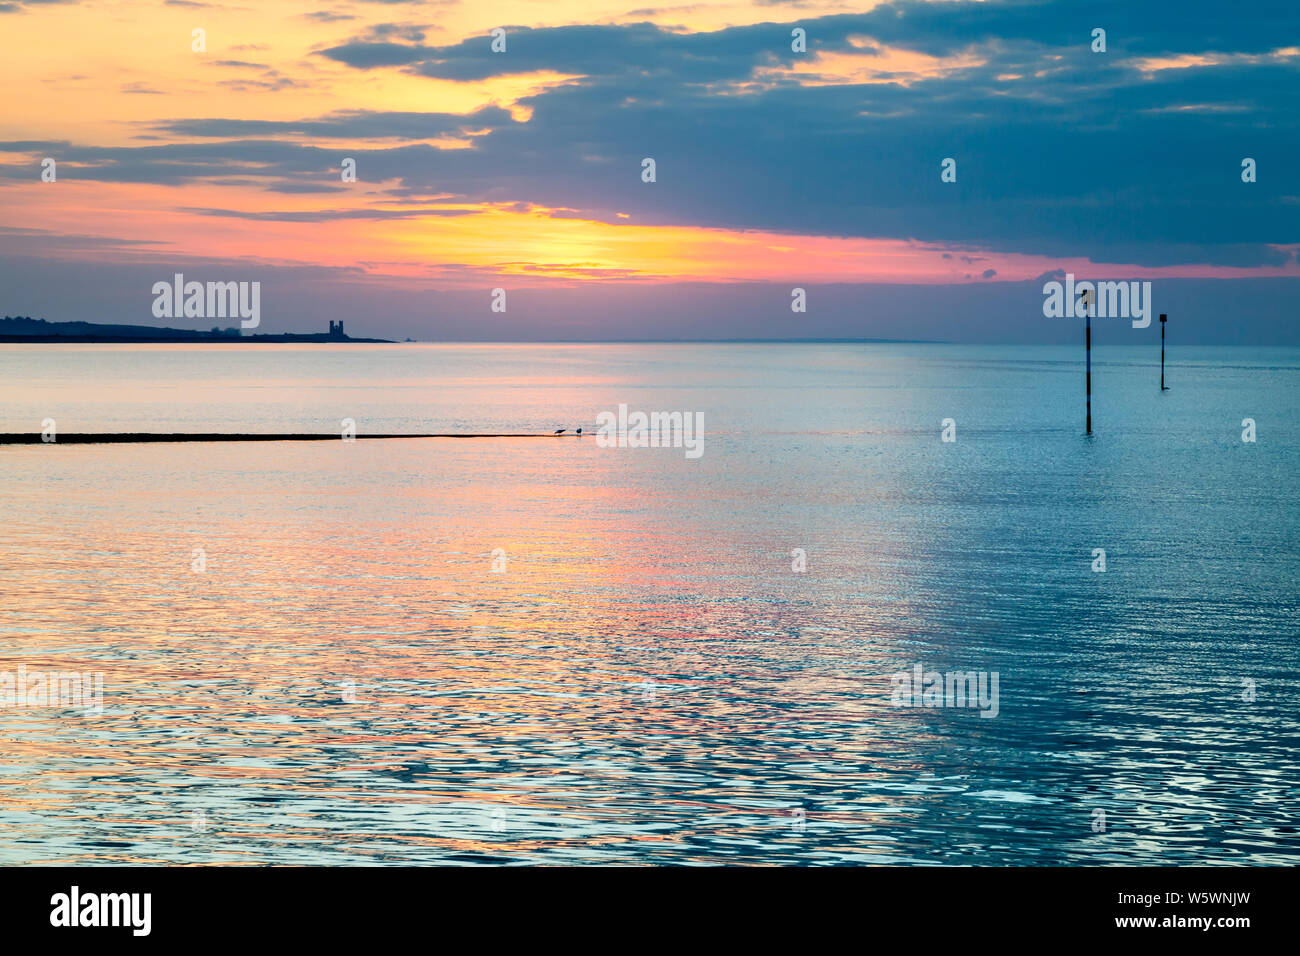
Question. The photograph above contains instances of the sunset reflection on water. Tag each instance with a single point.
(348, 681)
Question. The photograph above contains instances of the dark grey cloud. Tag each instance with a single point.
(1060, 151)
(367, 55)
(305, 188)
(938, 29)
(347, 124)
(642, 50)
(324, 215)
(25, 4)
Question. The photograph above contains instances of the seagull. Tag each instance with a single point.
(559, 431)
(579, 431)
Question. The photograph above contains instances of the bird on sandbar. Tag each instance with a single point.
(559, 431)
(579, 431)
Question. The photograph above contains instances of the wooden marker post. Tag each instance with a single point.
(1163, 318)
(1086, 299)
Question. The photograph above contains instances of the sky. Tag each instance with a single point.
(775, 168)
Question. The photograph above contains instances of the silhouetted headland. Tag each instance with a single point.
(27, 329)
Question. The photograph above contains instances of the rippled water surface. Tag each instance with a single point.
(648, 681)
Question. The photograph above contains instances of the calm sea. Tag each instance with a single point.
(644, 677)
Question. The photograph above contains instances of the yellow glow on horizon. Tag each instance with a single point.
(103, 75)
(496, 241)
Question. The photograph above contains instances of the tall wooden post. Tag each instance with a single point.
(1163, 319)
(1087, 347)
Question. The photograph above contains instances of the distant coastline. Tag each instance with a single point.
(18, 329)
(27, 329)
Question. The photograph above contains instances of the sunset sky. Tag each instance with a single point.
(774, 169)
